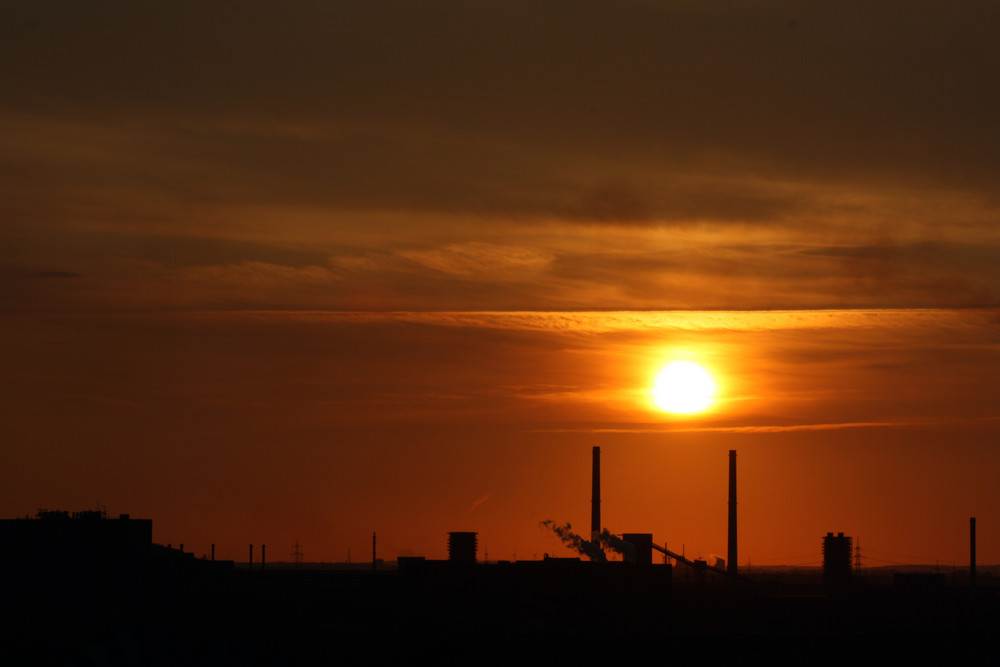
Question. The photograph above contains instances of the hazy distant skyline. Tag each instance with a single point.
(310, 269)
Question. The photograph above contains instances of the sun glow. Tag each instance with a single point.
(683, 387)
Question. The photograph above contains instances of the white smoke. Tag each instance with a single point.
(565, 533)
(615, 543)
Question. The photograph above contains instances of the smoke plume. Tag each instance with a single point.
(565, 533)
(615, 543)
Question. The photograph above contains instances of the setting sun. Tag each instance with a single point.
(683, 387)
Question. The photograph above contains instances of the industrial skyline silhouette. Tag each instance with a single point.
(91, 588)
(342, 303)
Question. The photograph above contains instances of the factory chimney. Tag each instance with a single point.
(595, 503)
(731, 556)
(972, 552)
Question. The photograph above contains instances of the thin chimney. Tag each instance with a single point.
(595, 506)
(972, 552)
(731, 566)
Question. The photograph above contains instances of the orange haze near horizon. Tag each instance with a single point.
(268, 427)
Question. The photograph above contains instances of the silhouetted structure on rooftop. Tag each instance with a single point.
(643, 545)
(836, 559)
(462, 547)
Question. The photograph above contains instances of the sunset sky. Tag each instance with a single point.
(308, 270)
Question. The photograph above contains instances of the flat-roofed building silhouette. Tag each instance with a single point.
(836, 558)
(462, 547)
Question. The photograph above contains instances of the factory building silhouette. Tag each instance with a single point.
(836, 558)
(81, 581)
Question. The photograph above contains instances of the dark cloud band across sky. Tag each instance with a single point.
(370, 131)
(892, 90)
(848, 150)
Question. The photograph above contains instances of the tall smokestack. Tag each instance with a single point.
(972, 552)
(731, 556)
(595, 503)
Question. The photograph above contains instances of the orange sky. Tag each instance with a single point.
(274, 426)
(315, 269)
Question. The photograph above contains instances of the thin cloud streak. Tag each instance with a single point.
(738, 429)
(477, 503)
(646, 321)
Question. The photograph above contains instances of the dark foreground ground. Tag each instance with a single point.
(175, 611)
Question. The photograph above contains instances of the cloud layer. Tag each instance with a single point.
(501, 155)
